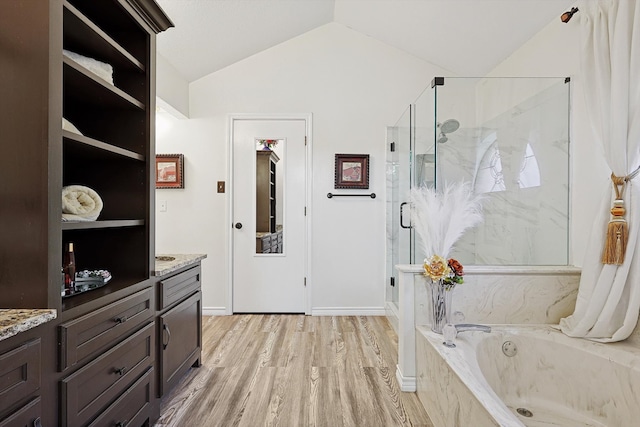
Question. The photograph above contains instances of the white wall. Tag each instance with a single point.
(171, 87)
(554, 52)
(354, 86)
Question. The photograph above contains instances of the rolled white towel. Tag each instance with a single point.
(80, 203)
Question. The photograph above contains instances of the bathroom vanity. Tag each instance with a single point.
(20, 365)
(179, 317)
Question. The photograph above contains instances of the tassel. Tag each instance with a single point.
(616, 243)
(617, 235)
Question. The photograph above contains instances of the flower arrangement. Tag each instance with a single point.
(440, 219)
(268, 143)
(450, 272)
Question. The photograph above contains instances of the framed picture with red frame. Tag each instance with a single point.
(169, 171)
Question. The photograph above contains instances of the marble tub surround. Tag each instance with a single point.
(542, 377)
(506, 294)
(164, 267)
(448, 400)
(14, 321)
(489, 295)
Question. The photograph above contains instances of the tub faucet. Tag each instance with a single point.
(463, 327)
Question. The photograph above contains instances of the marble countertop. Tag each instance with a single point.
(14, 321)
(165, 265)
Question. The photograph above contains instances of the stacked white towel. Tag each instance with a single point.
(99, 68)
(80, 203)
(67, 125)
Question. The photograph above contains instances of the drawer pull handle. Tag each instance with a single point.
(121, 371)
(37, 422)
(165, 344)
(120, 319)
(122, 423)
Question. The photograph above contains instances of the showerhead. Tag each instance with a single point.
(449, 126)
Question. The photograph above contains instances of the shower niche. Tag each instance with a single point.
(509, 137)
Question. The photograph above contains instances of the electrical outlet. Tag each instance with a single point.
(220, 186)
(162, 205)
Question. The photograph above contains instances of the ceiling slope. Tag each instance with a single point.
(468, 37)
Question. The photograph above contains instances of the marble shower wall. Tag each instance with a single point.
(519, 159)
(498, 295)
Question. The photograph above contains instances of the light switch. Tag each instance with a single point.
(162, 205)
(220, 186)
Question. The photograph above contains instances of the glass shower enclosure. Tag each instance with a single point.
(508, 137)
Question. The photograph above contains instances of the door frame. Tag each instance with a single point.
(231, 120)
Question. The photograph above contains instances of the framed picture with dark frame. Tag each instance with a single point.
(169, 171)
(352, 171)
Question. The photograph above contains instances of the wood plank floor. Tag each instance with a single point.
(291, 371)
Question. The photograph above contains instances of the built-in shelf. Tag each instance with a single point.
(117, 283)
(87, 144)
(84, 37)
(80, 82)
(93, 225)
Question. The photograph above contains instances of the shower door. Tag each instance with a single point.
(400, 236)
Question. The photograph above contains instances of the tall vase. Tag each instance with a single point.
(440, 305)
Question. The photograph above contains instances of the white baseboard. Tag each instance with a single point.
(406, 384)
(320, 311)
(214, 311)
(348, 311)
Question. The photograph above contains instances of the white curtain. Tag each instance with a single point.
(608, 301)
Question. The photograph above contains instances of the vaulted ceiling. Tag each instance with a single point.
(467, 37)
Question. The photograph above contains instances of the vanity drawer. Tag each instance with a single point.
(19, 372)
(263, 244)
(176, 288)
(91, 389)
(27, 416)
(88, 334)
(132, 408)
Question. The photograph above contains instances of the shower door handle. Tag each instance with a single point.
(402, 215)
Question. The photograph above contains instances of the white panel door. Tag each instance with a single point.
(269, 282)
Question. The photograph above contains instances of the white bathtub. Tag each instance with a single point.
(562, 381)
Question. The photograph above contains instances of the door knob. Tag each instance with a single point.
(238, 225)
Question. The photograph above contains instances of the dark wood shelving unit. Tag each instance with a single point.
(115, 156)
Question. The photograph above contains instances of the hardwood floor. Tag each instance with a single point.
(294, 370)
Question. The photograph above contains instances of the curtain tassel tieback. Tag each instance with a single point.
(615, 244)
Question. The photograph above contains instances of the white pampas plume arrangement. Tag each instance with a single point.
(441, 217)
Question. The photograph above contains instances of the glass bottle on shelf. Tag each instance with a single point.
(69, 268)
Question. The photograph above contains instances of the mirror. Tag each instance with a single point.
(269, 196)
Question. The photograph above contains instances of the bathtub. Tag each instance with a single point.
(552, 380)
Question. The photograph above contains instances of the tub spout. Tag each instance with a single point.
(463, 327)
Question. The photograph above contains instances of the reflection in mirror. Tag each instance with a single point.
(269, 196)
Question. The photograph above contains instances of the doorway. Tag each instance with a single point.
(270, 166)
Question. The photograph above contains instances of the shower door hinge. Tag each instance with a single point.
(392, 281)
(393, 147)
(305, 140)
(305, 282)
(305, 211)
